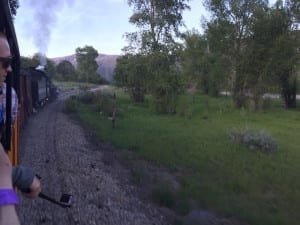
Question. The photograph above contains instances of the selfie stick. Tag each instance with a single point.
(65, 200)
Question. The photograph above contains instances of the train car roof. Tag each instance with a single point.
(35, 74)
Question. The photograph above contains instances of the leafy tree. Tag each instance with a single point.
(131, 72)
(260, 52)
(166, 81)
(14, 5)
(194, 60)
(203, 65)
(66, 70)
(42, 60)
(271, 54)
(29, 62)
(294, 7)
(86, 63)
(220, 44)
(219, 69)
(237, 15)
(50, 68)
(219, 34)
(285, 61)
(259, 43)
(158, 23)
(255, 58)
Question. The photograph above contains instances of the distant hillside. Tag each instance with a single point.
(106, 64)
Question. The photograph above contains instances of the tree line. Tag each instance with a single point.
(248, 48)
(85, 69)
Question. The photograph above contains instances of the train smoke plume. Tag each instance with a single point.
(45, 16)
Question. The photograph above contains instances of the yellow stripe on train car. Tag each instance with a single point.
(13, 154)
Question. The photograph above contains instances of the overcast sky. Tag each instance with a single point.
(58, 27)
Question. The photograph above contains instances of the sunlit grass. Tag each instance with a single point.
(223, 176)
(64, 85)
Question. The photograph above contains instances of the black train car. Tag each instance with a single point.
(36, 89)
(40, 90)
(25, 100)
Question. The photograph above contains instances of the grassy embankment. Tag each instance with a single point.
(259, 188)
(67, 85)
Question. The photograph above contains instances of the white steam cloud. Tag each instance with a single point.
(44, 20)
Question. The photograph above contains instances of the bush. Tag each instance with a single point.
(165, 104)
(100, 101)
(254, 139)
(163, 196)
(87, 98)
(71, 105)
(185, 106)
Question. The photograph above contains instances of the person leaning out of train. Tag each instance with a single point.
(8, 197)
(22, 177)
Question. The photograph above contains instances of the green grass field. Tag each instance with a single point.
(226, 177)
(65, 85)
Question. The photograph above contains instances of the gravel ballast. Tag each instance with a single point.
(56, 147)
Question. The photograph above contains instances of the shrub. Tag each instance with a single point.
(100, 101)
(87, 98)
(165, 104)
(71, 105)
(254, 139)
(163, 196)
(83, 87)
(185, 106)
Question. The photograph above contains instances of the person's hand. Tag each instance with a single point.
(35, 188)
(5, 170)
(8, 213)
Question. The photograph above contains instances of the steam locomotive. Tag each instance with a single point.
(32, 85)
(36, 89)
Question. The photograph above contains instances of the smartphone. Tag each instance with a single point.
(66, 199)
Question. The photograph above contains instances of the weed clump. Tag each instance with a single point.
(254, 139)
(100, 101)
(71, 105)
(163, 196)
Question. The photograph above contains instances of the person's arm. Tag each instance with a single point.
(8, 197)
(8, 215)
(23, 178)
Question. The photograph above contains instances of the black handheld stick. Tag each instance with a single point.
(65, 200)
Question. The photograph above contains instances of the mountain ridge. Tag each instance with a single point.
(106, 64)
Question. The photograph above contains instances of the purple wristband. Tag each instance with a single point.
(8, 197)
